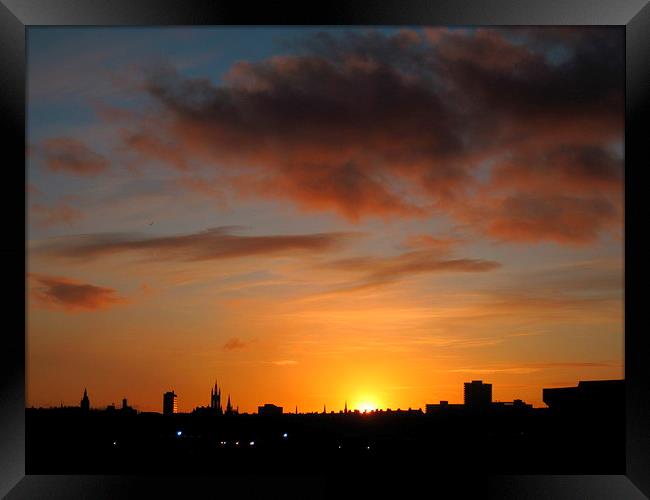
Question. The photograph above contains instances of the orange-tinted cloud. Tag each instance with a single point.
(215, 243)
(533, 367)
(234, 343)
(575, 168)
(569, 220)
(61, 213)
(368, 124)
(426, 241)
(67, 154)
(151, 146)
(378, 271)
(71, 295)
(33, 190)
(285, 362)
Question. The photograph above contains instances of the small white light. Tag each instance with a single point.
(178, 433)
(237, 443)
(285, 435)
(339, 447)
(252, 443)
(114, 443)
(367, 447)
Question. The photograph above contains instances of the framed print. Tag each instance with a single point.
(276, 248)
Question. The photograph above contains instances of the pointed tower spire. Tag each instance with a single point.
(346, 406)
(85, 402)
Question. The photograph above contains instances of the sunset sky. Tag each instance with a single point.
(318, 215)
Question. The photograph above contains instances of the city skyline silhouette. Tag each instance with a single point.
(476, 393)
(499, 437)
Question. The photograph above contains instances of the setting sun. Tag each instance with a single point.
(367, 406)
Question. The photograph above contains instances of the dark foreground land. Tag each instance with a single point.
(538, 441)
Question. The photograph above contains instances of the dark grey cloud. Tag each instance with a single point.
(211, 244)
(370, 124)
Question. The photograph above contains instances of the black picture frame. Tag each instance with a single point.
(17, 15)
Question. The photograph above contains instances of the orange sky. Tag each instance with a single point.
(374, 216)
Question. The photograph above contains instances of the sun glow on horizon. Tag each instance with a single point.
(367, 406)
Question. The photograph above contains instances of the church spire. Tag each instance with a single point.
(215, 398)
(346, 406)
(85, 402)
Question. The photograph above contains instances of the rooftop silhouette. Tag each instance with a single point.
(504, 437)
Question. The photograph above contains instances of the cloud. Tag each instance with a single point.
(533, 367)
(577, 167)
(61, 213)
(285, 362)
(146, 290)
(373, 124)
(211, 244)
(457, 122)
(33, 190)
(379, 271)
(235, 343)
(67, 154)
(563, 219)
(70, 295)
(426, 241)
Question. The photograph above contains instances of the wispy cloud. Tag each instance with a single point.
(380, 271)
(532, 367)
(211, 244)
(235, 343)
(67, 154)
(48, 216)
(70, 295)
(284, 362)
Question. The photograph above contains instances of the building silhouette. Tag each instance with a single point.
(593, 395)
(215, 400)
(269, 409)
(170, 405)
(229, 409)
(443, 406)
(126, 409)
(476, 394)
(516, 405)
(215, 408)
(85, 402)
